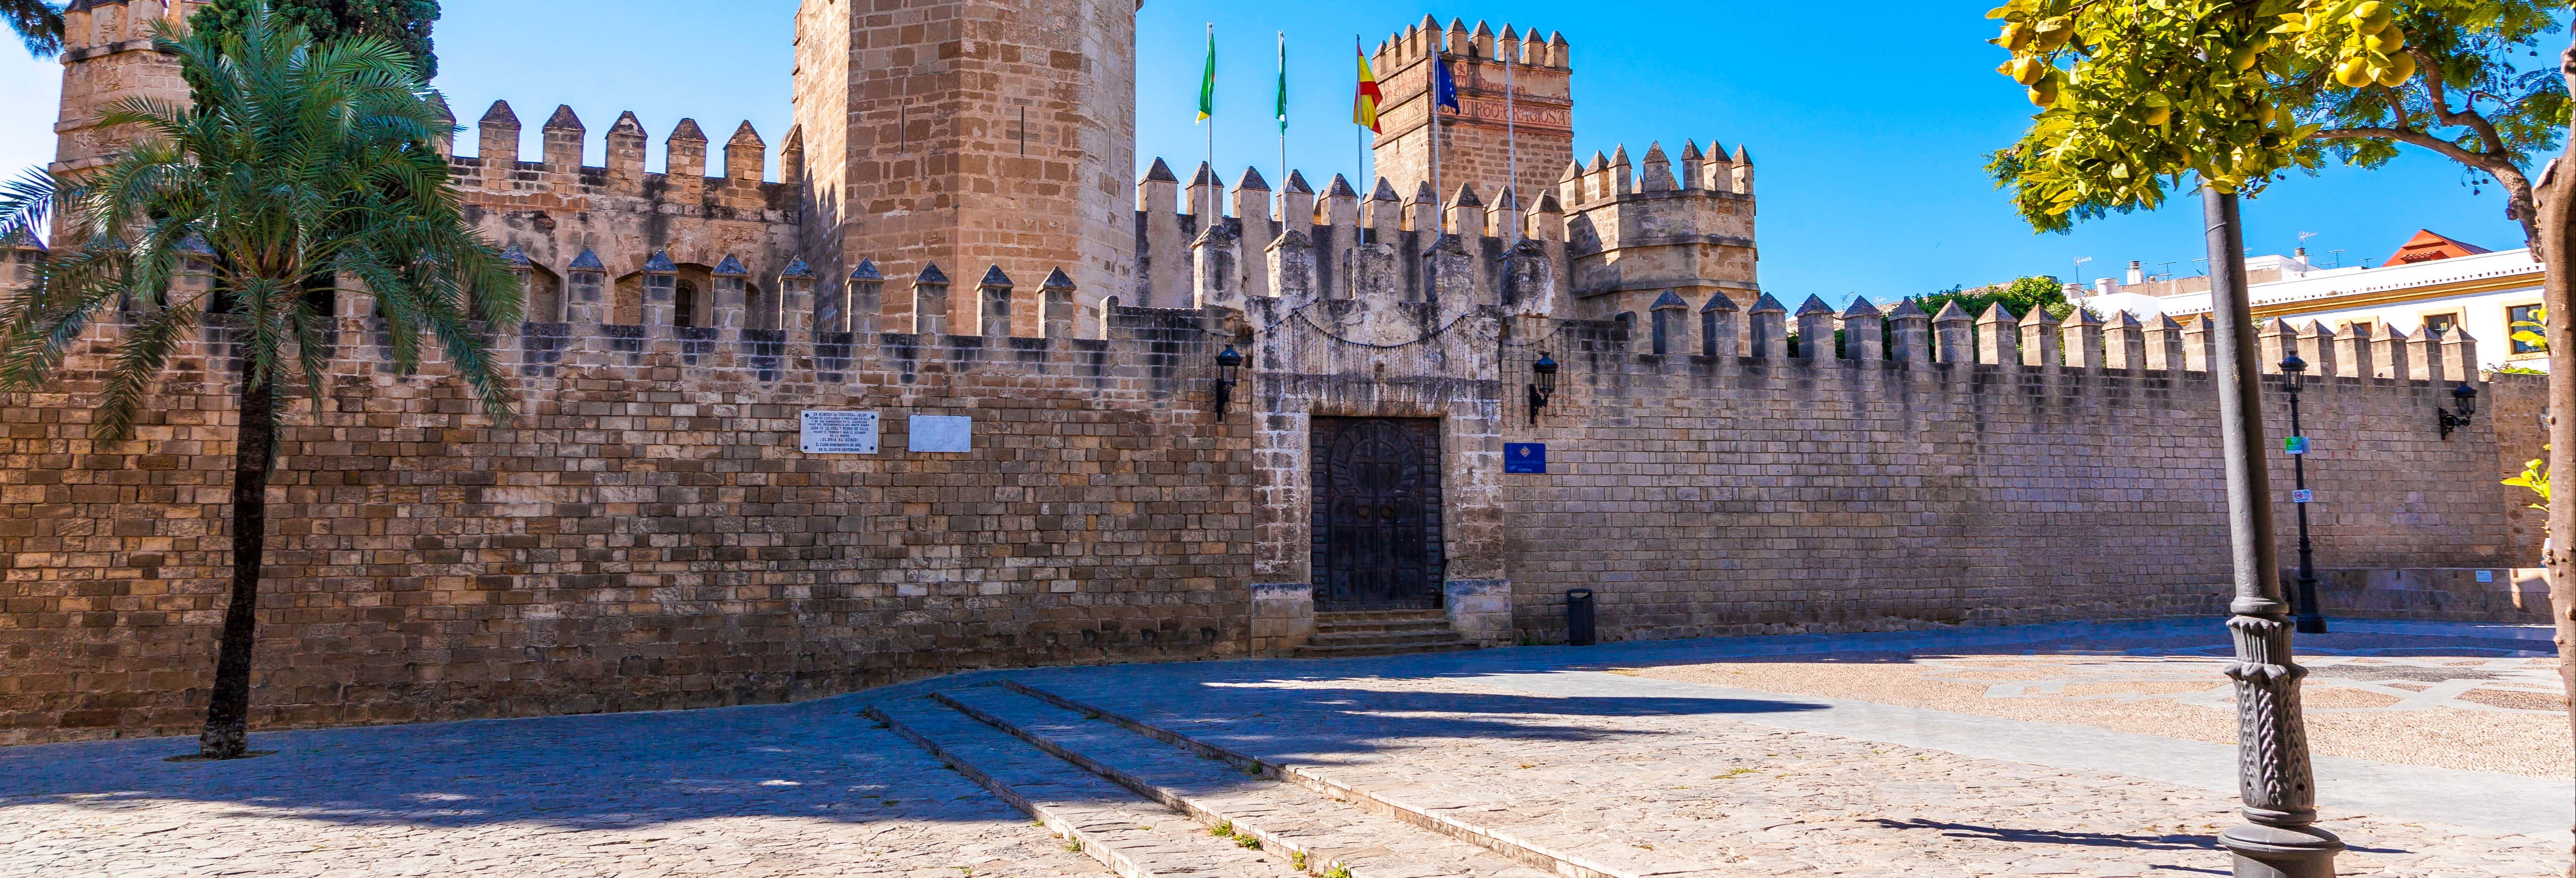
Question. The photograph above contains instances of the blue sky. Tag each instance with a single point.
(1868, 140)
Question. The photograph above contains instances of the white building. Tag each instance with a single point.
(2433, 281)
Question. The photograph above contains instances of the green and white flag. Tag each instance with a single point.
(1283, 82)
(1207, 85)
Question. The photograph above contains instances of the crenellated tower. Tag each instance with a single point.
(970, 133)
(1636, 230)
(108, 55)
(1477, 144)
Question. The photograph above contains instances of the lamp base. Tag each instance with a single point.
(2281, 851)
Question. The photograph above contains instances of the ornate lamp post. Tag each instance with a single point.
(2279, 838)
(2312, 618)
(1542, 384)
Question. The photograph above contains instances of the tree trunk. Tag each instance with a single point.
(227, 734)
(2557, 244)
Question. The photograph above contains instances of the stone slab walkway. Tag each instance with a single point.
(1645, 773)
(798, 790)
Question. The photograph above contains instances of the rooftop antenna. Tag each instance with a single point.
(2079, 268)
(2303, 238)
(2164, 271)
(2338, 258)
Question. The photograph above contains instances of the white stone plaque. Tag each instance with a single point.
(838, 432)
(943, 434)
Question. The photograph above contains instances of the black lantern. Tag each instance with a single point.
(2464, 406)
(1542, 385)
(1227, 362)
(2294, 372)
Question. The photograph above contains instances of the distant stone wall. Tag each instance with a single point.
(2514, 404)
(2510, 596)
(645, 535)
(1708, 496)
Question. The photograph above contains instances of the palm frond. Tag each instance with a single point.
(37, 22)
(293, 164)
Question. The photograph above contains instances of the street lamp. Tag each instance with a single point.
(2465, 399)
(1227, 362)
(2312, 618)
(1542, 385)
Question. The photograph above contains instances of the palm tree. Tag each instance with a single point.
(36, 21)
(299, 165)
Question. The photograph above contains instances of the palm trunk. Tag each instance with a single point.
(2557, 245)
(227, 734)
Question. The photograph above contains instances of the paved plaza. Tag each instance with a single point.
(1800, 755)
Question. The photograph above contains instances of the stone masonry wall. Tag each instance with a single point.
(2513, 405)
(645, 535)
(1708, 496)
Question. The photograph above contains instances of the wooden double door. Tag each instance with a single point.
(1376, 518)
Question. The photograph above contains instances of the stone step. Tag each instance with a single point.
(1339, 638)
(1134, 837)
(1215, 791)
(1359, 616)
(1363, 627)
(1364, 650)
(1403, 805)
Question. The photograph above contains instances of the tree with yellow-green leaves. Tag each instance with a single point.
(2139, 98)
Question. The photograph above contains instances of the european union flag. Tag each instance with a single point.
(1444, 90)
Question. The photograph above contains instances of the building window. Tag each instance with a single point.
(2514, 319)
(2441, 324)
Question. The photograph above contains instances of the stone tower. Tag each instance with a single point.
(1474, 144)
(971, 133)
(107, 56)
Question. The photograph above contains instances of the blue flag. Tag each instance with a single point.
(1444, 90)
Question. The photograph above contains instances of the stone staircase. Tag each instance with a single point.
(1383, 632)
(1147, 801)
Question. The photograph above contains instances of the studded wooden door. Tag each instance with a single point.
(1376, 514)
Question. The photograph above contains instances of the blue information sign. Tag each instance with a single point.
(2295, 445)
(1525, 457)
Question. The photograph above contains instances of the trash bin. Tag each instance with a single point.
(1578, 617)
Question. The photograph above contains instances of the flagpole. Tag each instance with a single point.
(1359, 153)
(1211, 116)
(1511, 141)
(1283, 124)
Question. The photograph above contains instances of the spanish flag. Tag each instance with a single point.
(1364, 106)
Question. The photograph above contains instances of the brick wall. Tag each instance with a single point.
(643, 536)
(1705, 496)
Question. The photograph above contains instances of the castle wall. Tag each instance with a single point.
(555, 209)
(1712, 496)
(645, 535)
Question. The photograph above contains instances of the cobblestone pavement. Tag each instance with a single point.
(1661, 784)
(1692, 777)
(2474, 705)
(799, 790)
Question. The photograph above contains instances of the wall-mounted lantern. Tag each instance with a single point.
(1227, 362)
(2464, 401)
(1542, 385)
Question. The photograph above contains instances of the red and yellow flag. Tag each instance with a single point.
(1364, 106)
